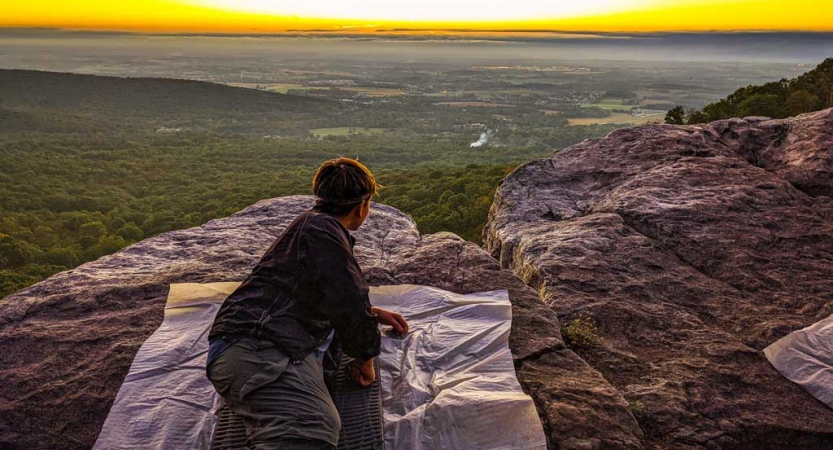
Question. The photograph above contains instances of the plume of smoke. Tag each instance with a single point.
(484, 139)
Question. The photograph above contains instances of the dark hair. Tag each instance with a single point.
(341, 184)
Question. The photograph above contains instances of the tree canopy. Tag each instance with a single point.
(93, 164)
(812, 91)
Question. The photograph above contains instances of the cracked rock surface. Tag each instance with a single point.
(67, 342)
(693, 247)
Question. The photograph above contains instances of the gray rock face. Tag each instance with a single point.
(694, 248)
(68, 341)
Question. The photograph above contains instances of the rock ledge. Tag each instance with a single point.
(68, 341)
(694, 247)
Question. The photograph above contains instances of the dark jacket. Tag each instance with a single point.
(307, 283)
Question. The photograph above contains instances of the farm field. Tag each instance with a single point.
(608, 103)
(617, 118)
(474, 104)
(281, 88)
(345, 131)
(374, 91)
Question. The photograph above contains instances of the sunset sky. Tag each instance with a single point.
(274, 16)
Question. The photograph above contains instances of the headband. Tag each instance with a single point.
(345, 201)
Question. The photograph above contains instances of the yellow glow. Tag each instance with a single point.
(716, 15)
(431, 11)
(275, 16)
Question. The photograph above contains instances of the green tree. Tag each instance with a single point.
(800, 102)
(93, 229)
(676, 116)
(109, 244)
(13, 281)
(44, 236)
(15, 252)
(696, 116)
(87, 241)
(116, 223)
(768, 105)
(720, 110)
(62, 256)
(131, 232)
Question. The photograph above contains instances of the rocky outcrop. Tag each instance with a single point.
(68, 341)
(693, 247)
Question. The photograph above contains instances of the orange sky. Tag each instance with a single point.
(274, 16)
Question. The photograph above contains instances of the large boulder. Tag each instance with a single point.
(693, 248)
(67, 342)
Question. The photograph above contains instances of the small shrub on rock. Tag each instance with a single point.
(581, 333)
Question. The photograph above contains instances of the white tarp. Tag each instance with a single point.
(806, 357)
(166, 402)
(449, 384)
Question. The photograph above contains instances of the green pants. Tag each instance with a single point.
(283, 405)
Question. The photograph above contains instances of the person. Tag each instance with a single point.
(306, 293)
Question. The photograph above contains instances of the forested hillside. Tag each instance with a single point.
(812, 91)
(65, 103)
(91, 164)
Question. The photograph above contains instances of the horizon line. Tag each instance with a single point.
(416, 31)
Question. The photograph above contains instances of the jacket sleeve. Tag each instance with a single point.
(329, 260)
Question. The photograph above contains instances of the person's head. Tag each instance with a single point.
(344, 188)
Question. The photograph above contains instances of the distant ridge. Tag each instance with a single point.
(64, 102)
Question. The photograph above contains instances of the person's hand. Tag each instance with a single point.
(390, 318)
(362, 373)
